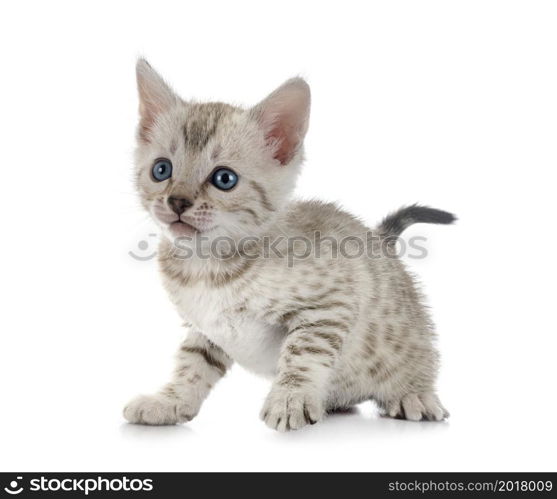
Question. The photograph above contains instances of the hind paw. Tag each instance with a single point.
(418, 406)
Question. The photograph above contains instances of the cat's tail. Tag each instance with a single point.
(394, 224)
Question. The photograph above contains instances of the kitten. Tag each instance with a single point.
(331, 330)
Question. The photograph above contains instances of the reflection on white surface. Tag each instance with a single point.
(142, 432)
(358, 424)
(349, 425)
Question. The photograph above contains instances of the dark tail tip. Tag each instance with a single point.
(396, 223)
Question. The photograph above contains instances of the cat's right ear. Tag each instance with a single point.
(155, 97)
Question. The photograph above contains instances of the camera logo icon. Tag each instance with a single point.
(145, 253)
(13, 487)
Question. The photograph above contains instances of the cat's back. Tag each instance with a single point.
(306, 217)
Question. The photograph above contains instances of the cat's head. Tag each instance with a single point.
(213, 169)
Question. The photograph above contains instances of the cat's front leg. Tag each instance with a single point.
(200, 364)
(308, 357)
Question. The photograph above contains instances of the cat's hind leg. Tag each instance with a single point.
(417, 407)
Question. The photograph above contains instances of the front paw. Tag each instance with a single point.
(286, 409)
(158, 410)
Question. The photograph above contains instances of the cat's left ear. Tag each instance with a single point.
(155, 97)
(284, 117)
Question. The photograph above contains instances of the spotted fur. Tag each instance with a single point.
(329, 332)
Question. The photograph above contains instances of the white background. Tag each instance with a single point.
(453, 104)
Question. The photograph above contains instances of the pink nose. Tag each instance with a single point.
(179, 205)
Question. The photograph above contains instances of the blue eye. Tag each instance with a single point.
(224, 179)
(162, 170)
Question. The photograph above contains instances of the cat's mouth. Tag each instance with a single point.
(180, 228)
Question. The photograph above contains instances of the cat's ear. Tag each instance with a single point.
(155, 97)
(284, 116)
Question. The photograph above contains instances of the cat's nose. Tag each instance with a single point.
(179, 205)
